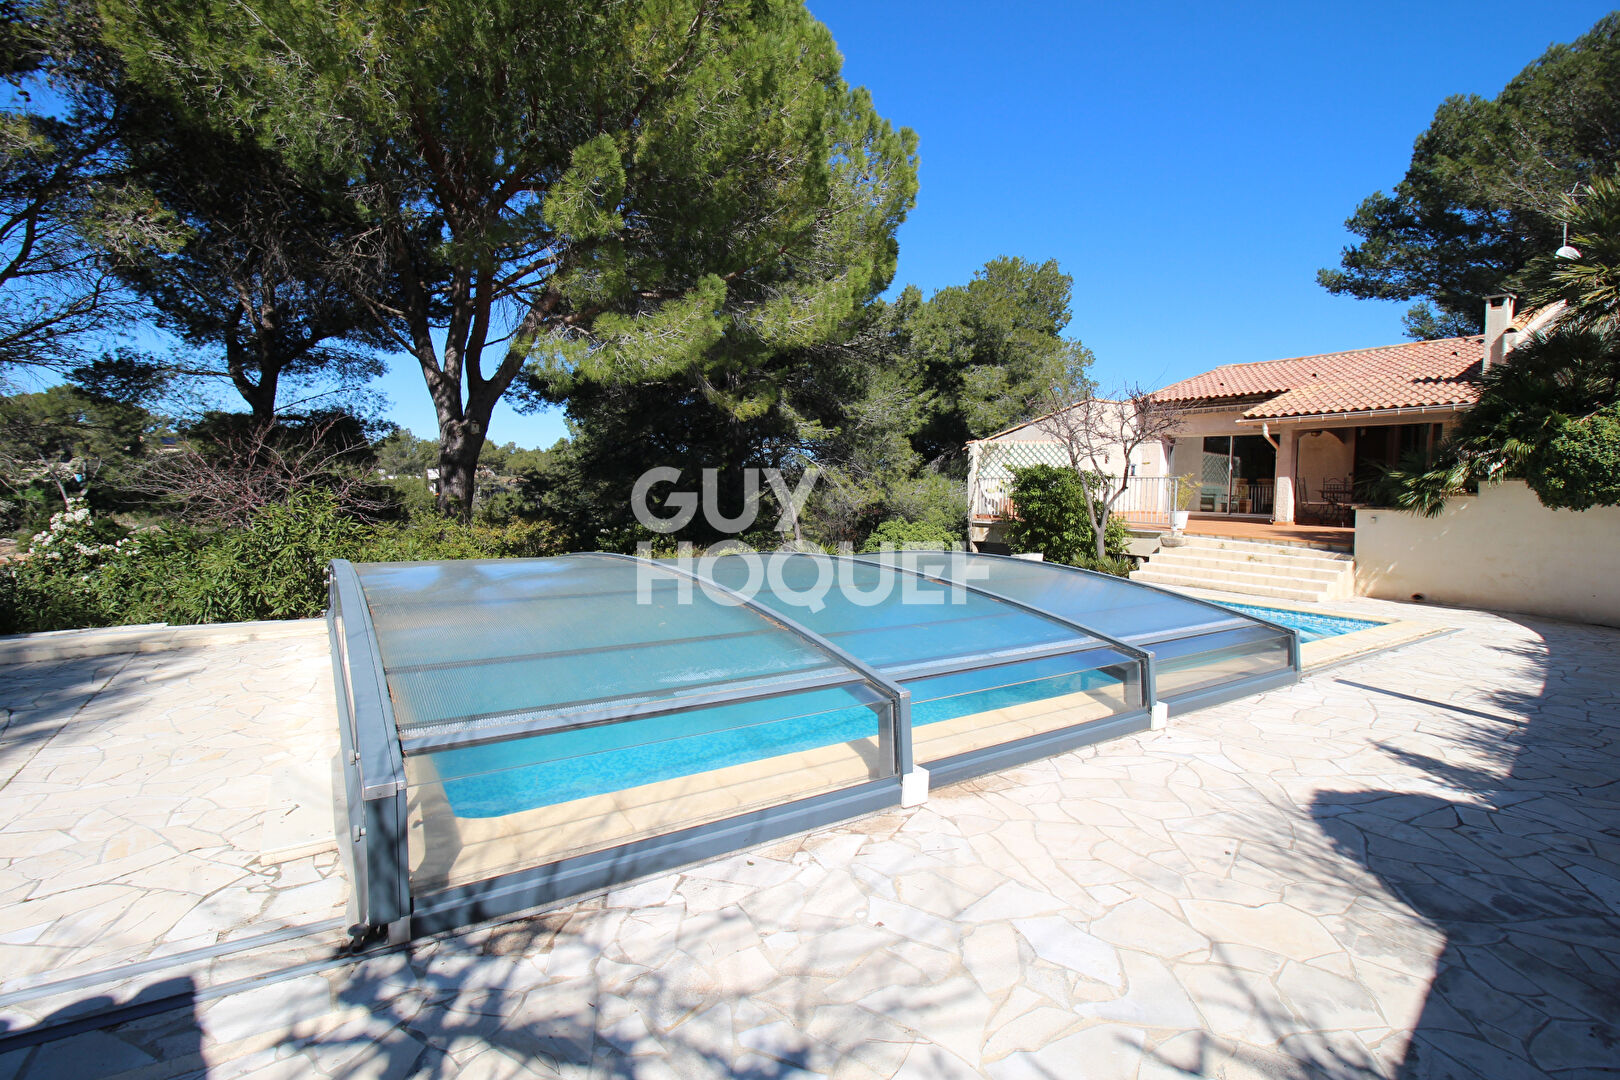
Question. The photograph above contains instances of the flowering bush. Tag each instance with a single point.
(75, 537)
(58, 579)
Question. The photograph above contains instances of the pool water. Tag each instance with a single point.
(1311, 627)
(525, 774)
(508, 777)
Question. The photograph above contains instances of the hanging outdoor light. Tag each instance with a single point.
(1567, 252)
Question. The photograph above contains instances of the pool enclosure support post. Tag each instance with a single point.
(372, 837)
(895, 739)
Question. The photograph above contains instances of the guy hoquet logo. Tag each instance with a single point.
(940, 576)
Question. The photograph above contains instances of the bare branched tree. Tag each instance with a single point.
(1101, 436)
(228, 480)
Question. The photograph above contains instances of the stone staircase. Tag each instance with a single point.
(1253, 567)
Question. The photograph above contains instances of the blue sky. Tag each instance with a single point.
(1190, 164)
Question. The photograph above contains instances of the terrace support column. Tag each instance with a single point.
(1282, 497)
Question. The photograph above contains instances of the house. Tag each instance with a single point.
(1293, 440)
(1279, 450)
(1274, 441)
(992, 459)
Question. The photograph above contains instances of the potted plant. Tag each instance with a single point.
(1182, 493)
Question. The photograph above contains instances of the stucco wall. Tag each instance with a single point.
(1501, 550)
(1324, 455)
(1150, 459)
(1195, 425)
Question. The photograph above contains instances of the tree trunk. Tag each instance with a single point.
(1096, 513)
(260, 396)
(460, 443)
(262, 399)
(463, 429)
(1100, 518)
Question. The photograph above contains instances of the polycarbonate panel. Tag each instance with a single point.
(1223, 659)
(480, 811)
(890, 620)
(469, 644)
(1188, 635)
(964, 711)
(956, 651)
(1114, 606)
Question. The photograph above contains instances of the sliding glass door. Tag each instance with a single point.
(1215, 475)
(1237, 475)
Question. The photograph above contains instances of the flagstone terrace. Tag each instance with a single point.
(1401, 866)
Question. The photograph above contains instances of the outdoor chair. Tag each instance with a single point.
(1308, 511)
(1338, 496)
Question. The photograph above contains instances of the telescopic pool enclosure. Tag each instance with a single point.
(518, 731)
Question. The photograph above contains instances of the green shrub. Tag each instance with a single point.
(81, 573)
(1119, 566)
(896, 533)
(444, 539)
(1052, 518)
(273, 569)
(1579, 468)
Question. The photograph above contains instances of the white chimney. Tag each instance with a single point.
(1498, 319)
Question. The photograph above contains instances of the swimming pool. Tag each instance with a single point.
(519, 730)
(1311, 627)
(511, 777)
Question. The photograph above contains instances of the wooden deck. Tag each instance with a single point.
(1343, 539)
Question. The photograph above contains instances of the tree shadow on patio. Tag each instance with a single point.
(44, 697)
(80, 1039)
(435, 1009)
(434, 1012)
(1516, 863)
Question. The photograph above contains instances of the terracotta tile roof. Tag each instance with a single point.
(1443, 372)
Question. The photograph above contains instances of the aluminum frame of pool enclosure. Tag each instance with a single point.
(515, 732)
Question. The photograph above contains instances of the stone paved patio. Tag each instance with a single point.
(160, 802)
(1405, 866)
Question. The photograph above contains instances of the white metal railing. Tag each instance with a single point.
(1146, 500)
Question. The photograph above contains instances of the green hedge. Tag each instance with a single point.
(80, 572)
(898, 533)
